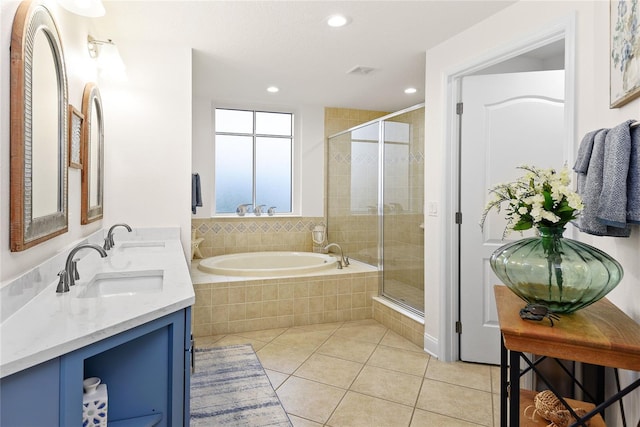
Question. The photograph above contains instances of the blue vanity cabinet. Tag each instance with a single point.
(146, 370)
(30, 397)
(143, 368)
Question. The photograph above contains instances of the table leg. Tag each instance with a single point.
(504, 383)
(514, 388)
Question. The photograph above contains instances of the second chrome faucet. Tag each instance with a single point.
(108, 241)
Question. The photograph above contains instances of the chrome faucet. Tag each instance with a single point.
(342, 262)
(108, 241)
(258, 210)
(241, 210)
(69, 275)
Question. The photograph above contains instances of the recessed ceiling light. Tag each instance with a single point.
(338, 21)
(410, 90)
(272, 89)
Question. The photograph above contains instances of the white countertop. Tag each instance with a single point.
(52, 324)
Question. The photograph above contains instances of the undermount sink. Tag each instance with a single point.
(123, 284)
(146, 246)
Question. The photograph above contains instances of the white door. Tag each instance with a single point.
(508, 120)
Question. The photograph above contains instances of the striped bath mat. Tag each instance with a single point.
(230, 388)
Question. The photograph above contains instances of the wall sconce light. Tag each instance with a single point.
(89, 8)
(108, 58)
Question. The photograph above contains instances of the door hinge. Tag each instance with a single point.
(459, 108)
(458, 327)
(458, 217)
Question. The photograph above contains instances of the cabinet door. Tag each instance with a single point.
(189, 347)
(30, 397)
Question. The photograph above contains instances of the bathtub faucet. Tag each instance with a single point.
(342, 262)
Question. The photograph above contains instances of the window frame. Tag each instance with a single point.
(295, 160)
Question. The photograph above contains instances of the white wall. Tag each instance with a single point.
(592, 111)
(309, 136)
(148, 139)
(80, 69)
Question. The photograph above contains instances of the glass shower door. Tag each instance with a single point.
(353, 192)
(375, 201)
(402, 201)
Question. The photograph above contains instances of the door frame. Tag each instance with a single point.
(564, 28)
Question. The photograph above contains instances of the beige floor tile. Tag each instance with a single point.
(395, 359)
(372, 333)
(281, 358)
(495, 379)
(344, 348)
(329, 370)
(364, 322)
(471, 375)
(321, 326)
(496, 409)
(205, 342)
(392, 339)
(300, 338)
(301, 422)
(235, 340)
(359, 410)
(276, 378)
(313, 366)
(309, 399)
(429, 419)
(266, 335)
(456, 401)
(390, 385)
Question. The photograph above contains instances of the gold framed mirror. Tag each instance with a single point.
(92, 152)
(39, 129)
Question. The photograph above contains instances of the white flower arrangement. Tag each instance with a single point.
(541, 197)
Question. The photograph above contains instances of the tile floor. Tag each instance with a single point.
(362, 374)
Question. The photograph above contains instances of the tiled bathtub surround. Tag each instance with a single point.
(231, 305)
(254, 234)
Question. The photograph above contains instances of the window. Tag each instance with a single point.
(253, 155)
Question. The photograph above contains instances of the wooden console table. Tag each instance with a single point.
(600, 334)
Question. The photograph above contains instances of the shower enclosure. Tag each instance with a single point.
(375, 199)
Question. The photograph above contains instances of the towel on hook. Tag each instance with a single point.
(196, 194)
(633, 179)
(602, 164)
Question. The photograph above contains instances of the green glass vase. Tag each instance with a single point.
(563, 274)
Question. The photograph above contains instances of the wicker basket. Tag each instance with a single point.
(549, 407)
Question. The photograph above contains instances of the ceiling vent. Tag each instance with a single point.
(361, 71)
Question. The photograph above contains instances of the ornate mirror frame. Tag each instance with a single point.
(26, 230)
(93, 163)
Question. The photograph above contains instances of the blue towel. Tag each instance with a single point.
(633, 179)
(196, 194)
(612, 205)
(608, 181)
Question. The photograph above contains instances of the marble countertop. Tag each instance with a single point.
(52, 324)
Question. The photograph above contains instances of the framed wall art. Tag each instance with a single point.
(76, 118)
(624, 56)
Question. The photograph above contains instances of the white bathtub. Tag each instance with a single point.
(267, 264)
